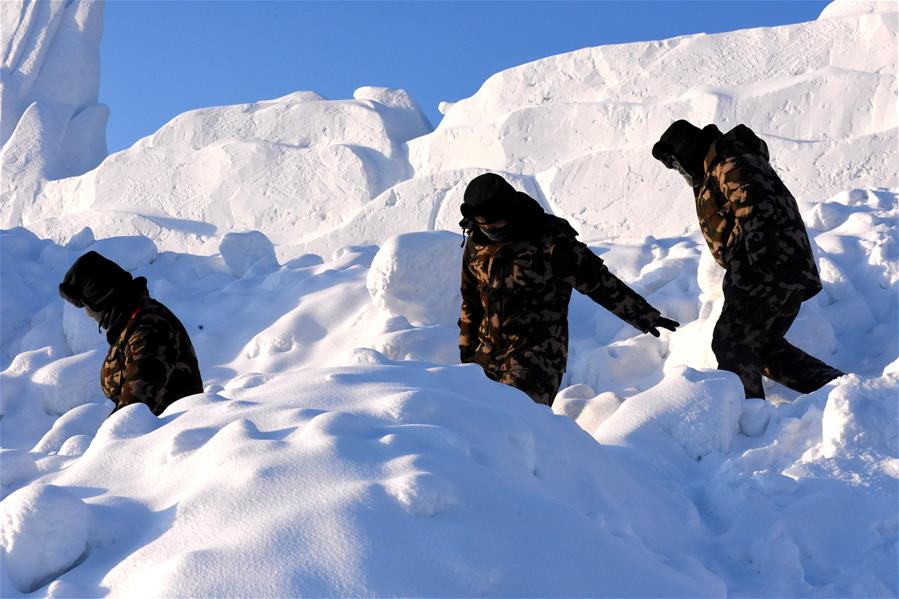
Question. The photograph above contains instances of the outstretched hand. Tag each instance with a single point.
(664, 323)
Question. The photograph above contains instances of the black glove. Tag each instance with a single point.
(664, 323)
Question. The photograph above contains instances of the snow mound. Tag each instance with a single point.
(301, 165)
(409, 277)
(68, 382)
(44, 533)
(76, 424)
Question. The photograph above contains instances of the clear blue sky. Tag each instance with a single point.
(159, 58)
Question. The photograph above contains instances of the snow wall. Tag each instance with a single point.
(574, 130)
(51, 125)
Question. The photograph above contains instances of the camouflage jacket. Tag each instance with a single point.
(515, 298)
(748, 217)
(151, 360)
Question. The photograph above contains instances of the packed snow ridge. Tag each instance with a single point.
(339, 447)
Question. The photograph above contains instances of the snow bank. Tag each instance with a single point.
(384, 465)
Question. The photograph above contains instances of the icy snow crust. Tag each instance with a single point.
(340, 449)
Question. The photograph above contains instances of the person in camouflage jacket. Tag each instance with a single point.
(151, 359)
(753, 228)
(518, 269)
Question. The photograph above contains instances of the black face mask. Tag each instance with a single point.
(684, 174)
(499, 234)
(671, 162)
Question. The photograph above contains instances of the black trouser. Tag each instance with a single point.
(749, 340)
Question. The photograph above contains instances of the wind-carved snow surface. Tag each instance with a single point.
(51, 125)
(339, 449)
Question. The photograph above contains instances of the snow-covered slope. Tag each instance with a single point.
(574, 130)
(339, 448)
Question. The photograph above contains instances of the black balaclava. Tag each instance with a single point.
(103, 288)
(683, 147)
(490, 197)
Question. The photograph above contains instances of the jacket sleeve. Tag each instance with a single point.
(472, 312)
(748, 188)
(149, 362)
(576, 265)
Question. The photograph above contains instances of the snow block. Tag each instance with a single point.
(416, 275)
(44, 533)
(243, 251)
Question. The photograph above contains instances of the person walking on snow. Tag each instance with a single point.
(754, 230)
(151, 359)
(518, 268)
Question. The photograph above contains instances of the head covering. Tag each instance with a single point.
(686, 145)
(104, 288)
(92, 282)
(488, 196)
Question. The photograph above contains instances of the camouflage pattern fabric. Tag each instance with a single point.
(749, 338)
(514, 318)
(745, 209)
(152, 361)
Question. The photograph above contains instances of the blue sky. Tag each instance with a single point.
(161, 58)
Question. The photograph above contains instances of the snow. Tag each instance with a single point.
(44, 532)
(401, 277)
(572, 130)
(701, 411)
(52, 125)
(243, 251)
(310, 248)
